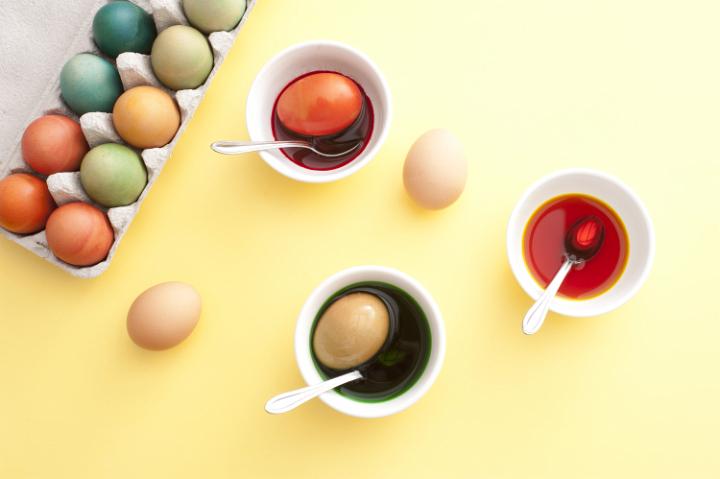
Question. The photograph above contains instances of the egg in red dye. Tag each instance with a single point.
(320, 104)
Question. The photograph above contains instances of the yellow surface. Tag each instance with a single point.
(627, 86)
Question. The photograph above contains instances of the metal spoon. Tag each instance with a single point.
(290, 400)
(239, 147)
(582, 241)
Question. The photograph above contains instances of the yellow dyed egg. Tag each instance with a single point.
(146, 117)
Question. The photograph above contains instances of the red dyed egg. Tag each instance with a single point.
(319, 104)
(25, 203)
(53, 143)
(79, 234)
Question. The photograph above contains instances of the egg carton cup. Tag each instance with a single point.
(135, 70)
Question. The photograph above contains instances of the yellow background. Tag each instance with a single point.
(631, 87)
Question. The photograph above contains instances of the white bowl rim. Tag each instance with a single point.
(558, 305)
(346, 404)
(312, 176)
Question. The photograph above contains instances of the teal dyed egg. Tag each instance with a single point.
(113, 175)
(90, 83)
(181, 58)
(214, 15)
(122, 26)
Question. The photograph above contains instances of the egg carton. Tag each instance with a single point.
(135, 70)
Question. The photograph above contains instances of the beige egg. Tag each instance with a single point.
(164, 315)
(435, 169)
(351, 331)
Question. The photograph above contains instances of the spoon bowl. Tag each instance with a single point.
(584, 239)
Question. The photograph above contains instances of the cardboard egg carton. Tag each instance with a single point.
(135, 69)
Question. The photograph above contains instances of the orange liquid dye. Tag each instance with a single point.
(544, 246)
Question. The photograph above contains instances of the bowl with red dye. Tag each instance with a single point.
(324, 92)
(537, 235)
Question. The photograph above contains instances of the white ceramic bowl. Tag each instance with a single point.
(625, 203)
(332, 285)
(304, 58)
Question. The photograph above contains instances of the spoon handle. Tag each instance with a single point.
(535, 316)
(290, 400)
(239, 147)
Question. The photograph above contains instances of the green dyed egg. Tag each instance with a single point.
(113, 175)
(122, 26)
(90, 83)
(181, 58)
(214, 15)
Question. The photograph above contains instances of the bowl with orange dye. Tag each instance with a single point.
(536, 240)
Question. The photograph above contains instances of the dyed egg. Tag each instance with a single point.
(113, 175)
(319, 104)
(25, 203)
(435, 169)
(122, 26)
(164, 315)
(146, 117)
(214, 15)
(351, 331)
(181, 58)
(53, 143)
(79, 234)
(90, 83)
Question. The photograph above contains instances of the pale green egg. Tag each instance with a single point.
(113, 175)
(181, 58)
(214, 15)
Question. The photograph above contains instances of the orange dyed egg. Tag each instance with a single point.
(146, 117)
(79, 234)
(320, 104)
(53, 143)
(25, 203)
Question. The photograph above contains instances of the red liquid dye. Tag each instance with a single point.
(359, 132)
(544, 246)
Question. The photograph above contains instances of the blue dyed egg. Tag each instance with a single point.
(90, 83)
(122, 26)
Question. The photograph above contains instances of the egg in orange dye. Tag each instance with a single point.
(79, 234)
(25, 203)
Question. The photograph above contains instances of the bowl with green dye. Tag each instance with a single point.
(355, 403)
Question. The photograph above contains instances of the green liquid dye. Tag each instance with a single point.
(401, 365)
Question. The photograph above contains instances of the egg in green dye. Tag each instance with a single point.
(214, 15)
(90, 83)
(113, 175)
(181, 57)
(122, 26)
